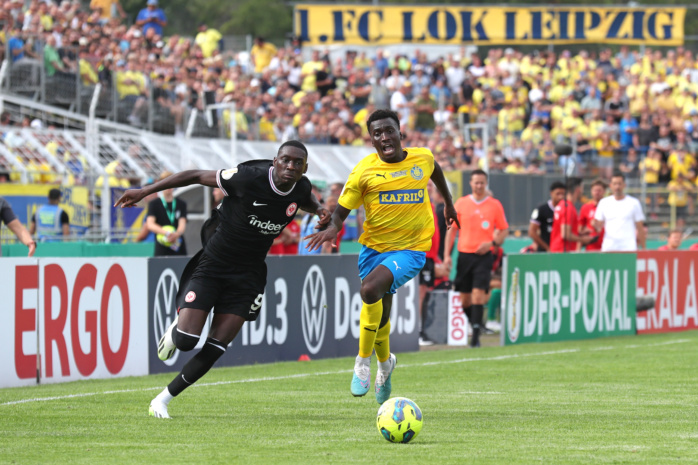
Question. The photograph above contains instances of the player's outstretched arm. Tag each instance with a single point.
(184, 178)
(440, 182)
(316, 240)
(23, 235)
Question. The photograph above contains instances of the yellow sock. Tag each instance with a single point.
(382, 343)
(369, 320)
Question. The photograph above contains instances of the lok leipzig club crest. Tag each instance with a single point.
(416, 173)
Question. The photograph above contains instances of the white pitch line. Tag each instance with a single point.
(480, 392)
(339, 372)
(498, 357)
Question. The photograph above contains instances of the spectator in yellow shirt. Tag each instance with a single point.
(680, 162)
(533, 133)
(130, 83)
(679, 195)
(266, 126)
(468, 111)
(362, 62)
(517, 116)
(87, 72)
(665, 101)
(308, 71)
(650, 167)
(515, 167)
(209, 40)
(606, 149)
(262, 52)
(117, 177)
(108, 9)
(559, 91)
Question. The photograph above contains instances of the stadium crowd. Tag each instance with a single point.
(631, 111)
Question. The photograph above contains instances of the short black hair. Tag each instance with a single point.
(573, 183)
(54, 194)
(478, 172)
(557, 185)
(618, 174)
(382, 114)
(294, 143)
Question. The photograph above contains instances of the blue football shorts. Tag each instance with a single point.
(404, 264)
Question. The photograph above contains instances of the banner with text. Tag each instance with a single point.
(348, 24)
(311, 306)
(559, 297)
(670, 278)
(70, 318)
(127, 218)
(26, 198)
(458, 324)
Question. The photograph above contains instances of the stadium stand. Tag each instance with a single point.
(612, 108)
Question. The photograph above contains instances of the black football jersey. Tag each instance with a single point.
(253, 212)
(543, 217)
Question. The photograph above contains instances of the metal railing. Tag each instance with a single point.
(107, 151)
(662, 211)
(154, 107)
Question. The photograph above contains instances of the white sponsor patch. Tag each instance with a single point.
(227, 174)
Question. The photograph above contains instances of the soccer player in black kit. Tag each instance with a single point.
(261, 198)
(541, 224)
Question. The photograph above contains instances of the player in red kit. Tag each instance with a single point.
(673, 241)
(427, 276)
(586, 215)
(565, 221)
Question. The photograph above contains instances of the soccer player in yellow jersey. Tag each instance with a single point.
(392, 186)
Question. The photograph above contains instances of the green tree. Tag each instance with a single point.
(272, 19)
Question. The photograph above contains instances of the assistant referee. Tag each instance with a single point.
(483, 225)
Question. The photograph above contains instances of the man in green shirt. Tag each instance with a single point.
(424, 107)
(52, 61)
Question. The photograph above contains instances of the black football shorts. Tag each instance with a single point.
(236, 289)
(426, 276)
(473, 272)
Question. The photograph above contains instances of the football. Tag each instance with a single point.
(399, 420)
(162, 238)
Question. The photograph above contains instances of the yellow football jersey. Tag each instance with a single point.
(394, 195)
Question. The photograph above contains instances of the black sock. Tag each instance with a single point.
(478, 311)
(469, 313)
(423, 318)
(476, 322)
(197, 366)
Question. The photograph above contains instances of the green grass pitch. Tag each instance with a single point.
(616, 400)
